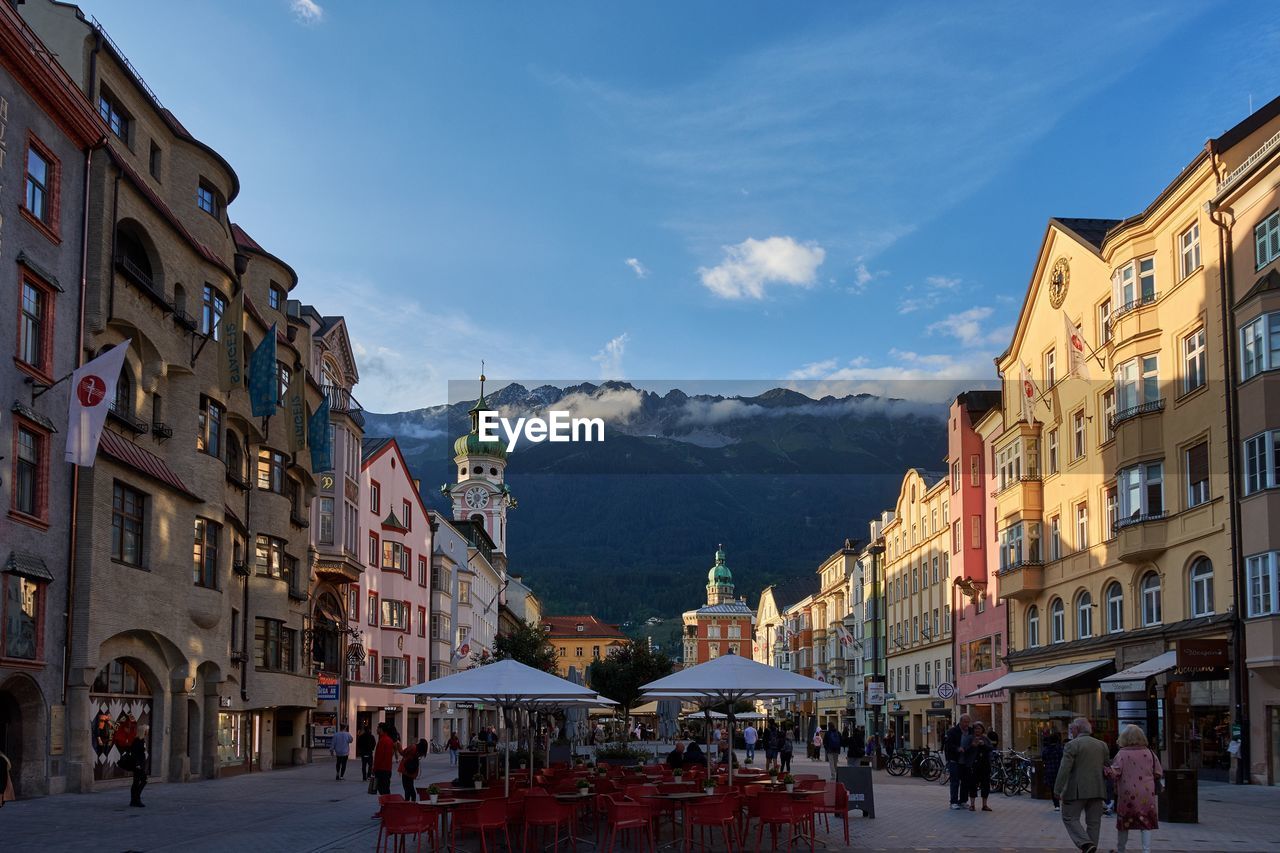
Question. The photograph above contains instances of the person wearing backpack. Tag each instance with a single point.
(134, 760)
(410, 764)
(785, 751)
(831, 743)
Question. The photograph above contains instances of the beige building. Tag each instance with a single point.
(918, 610)
(830, 607)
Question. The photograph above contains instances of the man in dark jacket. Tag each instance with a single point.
(772, 742)
(364, 748)
(675, 758)
(954, 751)
(831, 745)
(138, 757)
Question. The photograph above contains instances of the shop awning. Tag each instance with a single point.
(1134, 679)
(1038, 679)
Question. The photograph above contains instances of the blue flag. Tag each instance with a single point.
(318, 439)
(264, 386)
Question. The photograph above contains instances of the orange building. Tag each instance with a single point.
(724, 626)
(581, 640)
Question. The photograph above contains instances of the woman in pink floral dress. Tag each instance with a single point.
(1135, 770)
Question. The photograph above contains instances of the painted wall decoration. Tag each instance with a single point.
(119, 707)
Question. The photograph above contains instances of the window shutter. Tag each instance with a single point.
(1198, 462)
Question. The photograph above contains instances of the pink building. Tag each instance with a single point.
(980, 614)
(390, 604)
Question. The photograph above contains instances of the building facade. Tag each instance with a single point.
(49, 133)
(874, 636)
(918, 610)
(580, 641)
(722, 626)
(830, 607)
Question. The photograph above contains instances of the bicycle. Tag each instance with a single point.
(922, 762)
(1017, 775)
(436, 747)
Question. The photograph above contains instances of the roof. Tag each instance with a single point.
(372, 446)
(1268, 283)
(1257, 119)
(978, 403)
(567, 626)
(1091, 231)
(931, 478)
(248, 244)
(788, 592)
(144, 461)
(28, 565)
(728, 608)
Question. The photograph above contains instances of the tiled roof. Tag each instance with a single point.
(931, 478)
(28, 565)
(1091, 230)
(730, 608)
(142, 460)
(788, 592)
(1266, 284)
(372, 446)
(567, 626)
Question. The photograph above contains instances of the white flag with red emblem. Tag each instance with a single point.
(93, 388)
(1028, 392)
(1076, 347)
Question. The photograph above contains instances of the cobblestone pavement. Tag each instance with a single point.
(304, 809)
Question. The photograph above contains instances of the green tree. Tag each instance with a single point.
(621, 675)
(528, 644)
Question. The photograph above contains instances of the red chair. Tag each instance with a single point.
(811, 785)
(543, 811)
(489, 815)
(383, 799)
(626, 816)
(835, 801)
(399, 821)
(806, 777)
(648, 795)
(776, 811)
(710, 812)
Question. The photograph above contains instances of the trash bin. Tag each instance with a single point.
(1180, 799)
(1041, 785)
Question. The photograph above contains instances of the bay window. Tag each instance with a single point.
(395, 614)
(1260, 573)
(273, 645)
(1262, 461)
(1137, 385)
(1260, 345)
(1019, 544)
(1016, 461)
(1141, 492)
(1134, 285)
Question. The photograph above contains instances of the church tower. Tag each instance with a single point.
(481, 493)
(719, 581)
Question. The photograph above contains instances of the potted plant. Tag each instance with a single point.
(433, 794)
(790, 782)
(749, 761)
(708, 785)
(773, 774)
(583, 785)
(601, 770)
(479, 780)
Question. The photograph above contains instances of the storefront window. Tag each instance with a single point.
(1200, 730)
(1034, 710)
(231, 744)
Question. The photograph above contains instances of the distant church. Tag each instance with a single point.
(724, 625)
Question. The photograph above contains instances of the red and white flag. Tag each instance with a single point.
(1076, 347)
(93, 387)
(1028, 393)
(846, 639)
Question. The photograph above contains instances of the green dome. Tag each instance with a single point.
(719, 574)
(471, 445)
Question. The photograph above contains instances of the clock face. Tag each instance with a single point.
(1059, 278)
(476, 497)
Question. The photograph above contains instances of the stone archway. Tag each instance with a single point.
(23, 725)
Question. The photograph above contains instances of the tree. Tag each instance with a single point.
(621, 675)
(528, 644)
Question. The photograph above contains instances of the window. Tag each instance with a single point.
(1137, 385)
(127, 507)
(1134, 285)
(1033, 626)
(1104, 321)
(392, 556)
(464, 592)
(1141, 492)
(271, 465)
(422, 670)
(209, 429)
(154, 160)
(1151, 599)
(440, 579)
(276, 296)
(915, 580)
(1266, 239)
(1201, 578)
(1051, 452)
(353, 604)
(422, 571)
(372, 609)
(204, 569)
(326, 521)
(1019, 544)
(1260, 346)
(422, 621)
(406, 515)
(22, 614)
(395, 615)
(1077, 435)
(1115, 608)
(41, 196)
(1018, 460)
(114, 114)
(212, 306)
(1189, 250)
(1197, 468)
(440, 627)
(1082, 526)
(373, 667)
(1084, 616)
(207, 197)
(1193, 376)
(1262, 462)
(35, 326)
(1055, 537)
(375, 497)
(273, 645)
(1050, 369)
(122, 403)
(373, 549)
(30, 470)
(935, 569)
(1261, 571)
(1108, 415)
(1113, 510)
(1058, 621)
(270, 556)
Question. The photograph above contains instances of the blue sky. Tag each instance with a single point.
(687, 191)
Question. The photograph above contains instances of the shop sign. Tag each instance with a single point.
(326, 687)
(937, 703)
(875, 693)
(1202, 655)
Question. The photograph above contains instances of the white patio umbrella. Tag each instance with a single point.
(568, 707)
(729, 679)
(507, 684)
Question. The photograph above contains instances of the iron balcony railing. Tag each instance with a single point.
(1133, 305)
(1139, 518)
(342, 400)
(1019, 564)
(1135, 411)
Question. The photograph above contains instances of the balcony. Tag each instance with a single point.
(1262, 641)
(342, 401)
(1138, 433)
(182, 318)
(128, 420)
(297, 519)
(1024, 580)
(141, 279)
(1023, 498)
(161, 430)
(1142, 538)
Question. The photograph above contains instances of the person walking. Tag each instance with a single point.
(749, 738)
(771, 744)
(815, 744)
(1135, 771)
(6, 780)
(890, 742)
(953, 751)
(365, 744)
(1051, 755)
(785, 753)
(857, 742)
(1080, 784)
(384, 758)
(831, 742)
(453, 746)
(340, 749)
(137, 755)
(976, 751)
(410, 764)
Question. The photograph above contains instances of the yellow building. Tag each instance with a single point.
(830, 606)
(579, 641)
(918, 610)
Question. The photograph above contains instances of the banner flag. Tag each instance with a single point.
(318, 439)
(93, 388)
(230, 346)
(264, 389)
(1076, 346)
(1029, 393)
(295, 406)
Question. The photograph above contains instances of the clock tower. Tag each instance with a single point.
(481, 493)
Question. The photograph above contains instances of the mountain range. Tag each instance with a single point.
(627, 528)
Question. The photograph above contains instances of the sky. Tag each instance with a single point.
(672, 192)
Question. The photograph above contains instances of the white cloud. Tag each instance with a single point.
(610, 358)
(306, 11)
(638, 268)
(813, 370)
(927, 296)
(966, 327)
(942, 282)
(750, 266)
(863, 276)
(906, 375)
(614, 404)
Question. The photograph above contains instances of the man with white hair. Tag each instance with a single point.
(1081, 786)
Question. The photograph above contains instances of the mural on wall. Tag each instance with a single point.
(118, 709)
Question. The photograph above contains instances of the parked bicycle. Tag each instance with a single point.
(924, 763)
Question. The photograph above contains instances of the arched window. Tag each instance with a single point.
(120, 704)
(1033, 626)
(1201, 587)
(1151, 599)
(235, 458)
(1084, 616)
(1058, 620)
(122, 404)
(1115, 608)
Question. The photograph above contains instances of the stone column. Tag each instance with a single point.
(179, 763)
(79, 756)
